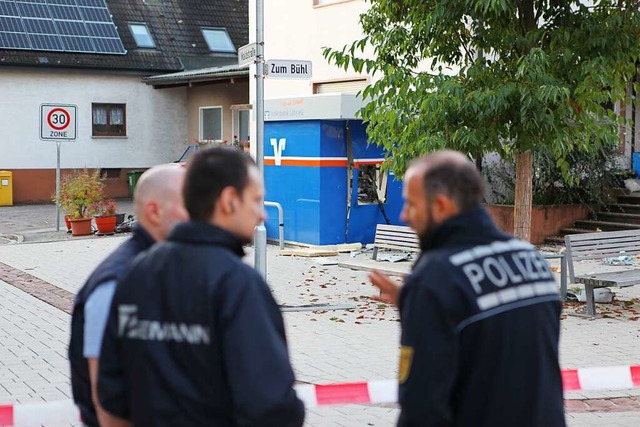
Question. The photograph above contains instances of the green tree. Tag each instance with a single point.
(502, 76)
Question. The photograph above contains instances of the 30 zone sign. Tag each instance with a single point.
(58, 122)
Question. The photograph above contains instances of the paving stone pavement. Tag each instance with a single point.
(326, 347)
(37, 223)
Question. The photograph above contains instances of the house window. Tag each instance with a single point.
(241, 118)
(109, 120)
(210, 123)
(218, 40)
(352, 86)
(141, 34)
(110, 173)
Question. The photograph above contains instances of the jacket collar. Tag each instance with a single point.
(204, 233)
(142, 236)
(463, 227)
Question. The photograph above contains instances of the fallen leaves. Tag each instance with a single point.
(618, 309)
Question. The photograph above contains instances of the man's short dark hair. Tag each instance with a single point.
(211, 171)
(455, 176)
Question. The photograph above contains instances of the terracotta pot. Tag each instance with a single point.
(67, 223)
(106, 224)
(81, 227)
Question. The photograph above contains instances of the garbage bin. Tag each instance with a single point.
(132, 179)
(6, 188)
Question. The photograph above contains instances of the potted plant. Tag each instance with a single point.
(105, 216)
(242, 144)
(79, 192)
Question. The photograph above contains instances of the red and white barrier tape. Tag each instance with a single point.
(604, 378)
(379, 391)
(64, 412)
(58, 413)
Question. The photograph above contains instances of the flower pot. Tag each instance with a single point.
(81, 227)
(119, 218)
(67, 222)
(106, 224)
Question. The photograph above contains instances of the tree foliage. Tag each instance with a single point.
(500, 76)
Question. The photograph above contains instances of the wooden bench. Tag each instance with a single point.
(598, 246)
(396, 237)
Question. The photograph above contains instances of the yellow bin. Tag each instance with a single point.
(6, 188)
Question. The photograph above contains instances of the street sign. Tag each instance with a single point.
(58, 122)
(247, 54)
(288, 69)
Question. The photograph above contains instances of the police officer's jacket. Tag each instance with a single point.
(195, 338)
(112, 268)
(480, 327)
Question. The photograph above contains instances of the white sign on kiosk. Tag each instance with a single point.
(288, 69)
(247, 54)
(58, 122)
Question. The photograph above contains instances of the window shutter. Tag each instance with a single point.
(349, 86)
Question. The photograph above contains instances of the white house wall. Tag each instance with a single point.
(299, 30)
(156, 120)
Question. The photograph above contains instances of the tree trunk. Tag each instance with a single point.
(523, 196)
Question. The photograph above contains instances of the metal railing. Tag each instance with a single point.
(280, 220)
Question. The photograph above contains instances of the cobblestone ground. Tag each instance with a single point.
(38, 281)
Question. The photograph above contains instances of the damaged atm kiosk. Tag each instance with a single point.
(321, 168)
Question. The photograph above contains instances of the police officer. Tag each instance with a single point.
(194, 336)
(479, 312)
(157, 207)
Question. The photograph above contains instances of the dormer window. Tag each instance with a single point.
(218, 40)
(141, 34)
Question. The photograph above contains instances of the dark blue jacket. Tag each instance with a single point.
(480, 320)
(195, 338)
(112, 268)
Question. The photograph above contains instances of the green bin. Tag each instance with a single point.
(132, 179)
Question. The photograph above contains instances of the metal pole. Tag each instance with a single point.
(563, 278)
(57, 185)
(260, 238)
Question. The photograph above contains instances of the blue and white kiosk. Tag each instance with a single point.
(321, 168)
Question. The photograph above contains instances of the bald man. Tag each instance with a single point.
(158, 206)
(480, 312)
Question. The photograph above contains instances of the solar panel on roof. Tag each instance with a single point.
(59, 25)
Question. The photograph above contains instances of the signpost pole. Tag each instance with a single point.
(260, 238)
(57, 185)
(58, 123)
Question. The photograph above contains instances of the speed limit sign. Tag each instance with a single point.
(58, 122)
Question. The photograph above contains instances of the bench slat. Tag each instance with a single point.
(599, 235)
(397, 239)
(604, 255)
(400, 228)
(613, 241)
(620, 278)
(404, 235)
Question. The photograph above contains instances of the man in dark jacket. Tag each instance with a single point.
(194, 337)
(157, 207)
(480, 311)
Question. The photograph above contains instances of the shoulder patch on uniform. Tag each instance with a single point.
(406, 358)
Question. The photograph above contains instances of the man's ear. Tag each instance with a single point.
(443, 207)
(227, 201)
(152, 211)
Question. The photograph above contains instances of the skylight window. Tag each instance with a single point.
(218, 40)
(141, 34)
